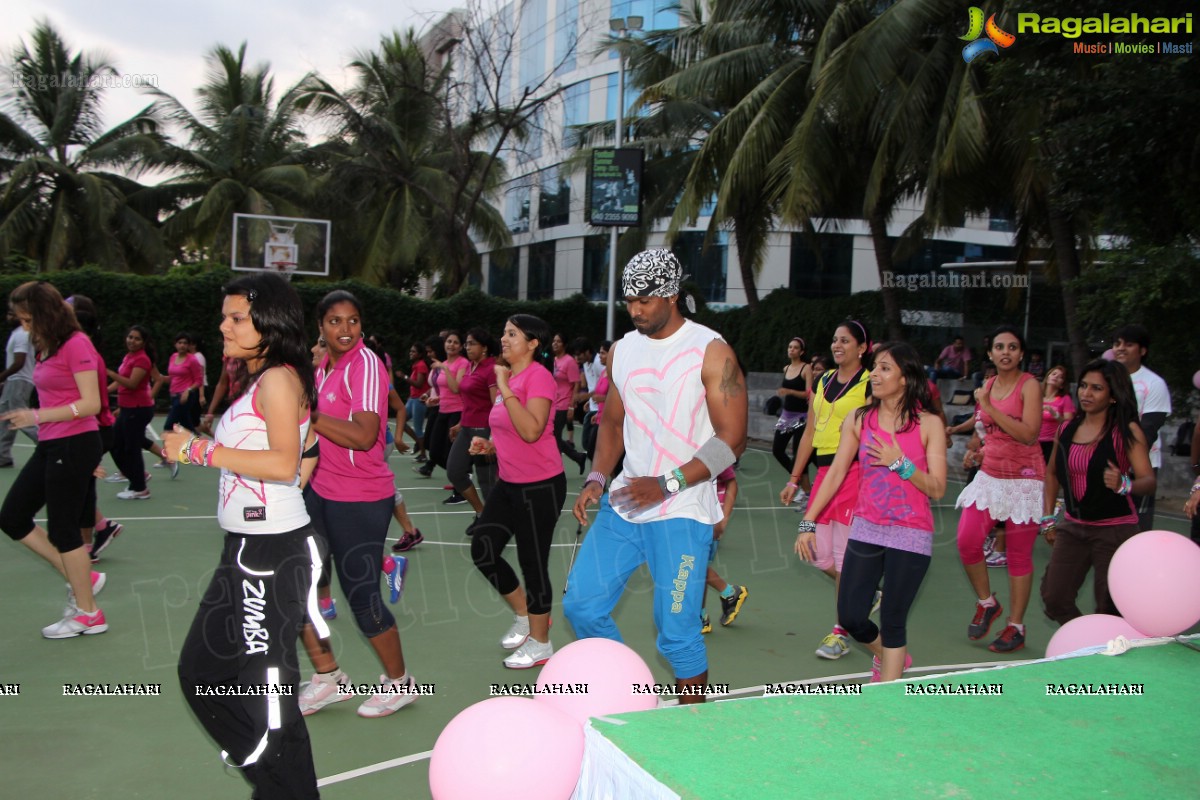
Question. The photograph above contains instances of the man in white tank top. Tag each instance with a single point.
(676, 409)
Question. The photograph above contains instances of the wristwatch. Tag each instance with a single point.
(674, 481)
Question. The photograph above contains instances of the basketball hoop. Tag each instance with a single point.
(284, 268)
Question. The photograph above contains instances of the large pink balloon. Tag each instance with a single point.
(1153, 581)
(507, 748)
(1196, 379)
(609, 669)
(1089, 631)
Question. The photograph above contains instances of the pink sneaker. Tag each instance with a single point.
(75, 624)
(324, 690)
(876, 667)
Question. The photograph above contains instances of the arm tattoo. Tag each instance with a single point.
(731, 383)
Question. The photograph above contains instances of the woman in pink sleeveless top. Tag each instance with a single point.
(901, 449)
(1007, 489)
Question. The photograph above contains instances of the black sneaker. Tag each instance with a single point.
(103, 537)
(454, 499)
(984, 617)
(730, 606)
(1010, 641)
(471, 527)
(408, 541)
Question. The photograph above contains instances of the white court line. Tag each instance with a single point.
(382, 765)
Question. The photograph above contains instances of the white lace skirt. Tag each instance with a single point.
(1016, 499)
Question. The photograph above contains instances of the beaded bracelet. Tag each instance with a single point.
(183, 456)
(1126, 486)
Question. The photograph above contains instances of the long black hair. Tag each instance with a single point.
(52, 323)
(484, 338)
(859, 333)
(916, 397)
(1123, 410)
(535, 328)
(278, 316)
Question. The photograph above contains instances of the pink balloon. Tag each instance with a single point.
(1107, 355)
(1152, 578)
(478, 754)
(1196, 379)
(1089, 631)
(610, 671)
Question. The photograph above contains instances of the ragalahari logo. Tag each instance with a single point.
(996, 36)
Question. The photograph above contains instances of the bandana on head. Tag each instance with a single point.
(652, 273)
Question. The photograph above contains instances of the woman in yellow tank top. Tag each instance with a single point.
(839, 392)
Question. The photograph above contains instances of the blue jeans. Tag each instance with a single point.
(416, 415)
(675, 550)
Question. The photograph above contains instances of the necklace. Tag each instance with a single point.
(823, 399)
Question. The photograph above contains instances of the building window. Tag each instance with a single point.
(516, 209)
(533, 43)
(540, 283)
(575, 106)
(595, 267)
(610, 102)
(503, 268)
(822, 264)
(554, 199)
(706, 266)
(659, 15)
(935, 252)
(566, 36)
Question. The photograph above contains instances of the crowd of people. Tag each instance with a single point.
(306, 490)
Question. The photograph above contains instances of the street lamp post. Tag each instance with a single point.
(621, 28)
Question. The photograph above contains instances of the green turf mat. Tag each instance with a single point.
(891, 742)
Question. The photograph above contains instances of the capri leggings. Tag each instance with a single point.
(528, 512)
(460, 461)
(973, 528)
(55, 476)
(354, 533)
(866, 565)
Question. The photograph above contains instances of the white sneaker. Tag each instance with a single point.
(116, 477)
(800, 498)
(130, 494)
(395, 695)
(531, 654)
(322, 690)
(517, 634)
(76, 623)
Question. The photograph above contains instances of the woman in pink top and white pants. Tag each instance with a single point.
(528, 497)
(901, 449)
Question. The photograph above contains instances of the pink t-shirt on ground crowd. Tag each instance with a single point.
(955, 360)
(521, 461)
(186, 374)
(419, 368)
(601, 393)
(475, 391)
(105, 418)
(884, 498)
(139, 396)
(358, 382)
(566, 376)
(55, 381)
(1003, 456)
(449, 402)
(1063, 405)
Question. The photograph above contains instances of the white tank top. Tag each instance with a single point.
(252, 505)
(666, 416)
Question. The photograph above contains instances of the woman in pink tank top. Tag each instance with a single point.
(901, 448)
(1007, 489)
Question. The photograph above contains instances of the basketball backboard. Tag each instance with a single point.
(288, 245)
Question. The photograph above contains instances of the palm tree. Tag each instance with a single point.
(245, 153)
(63, 194)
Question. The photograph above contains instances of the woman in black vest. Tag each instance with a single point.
(1100, 459)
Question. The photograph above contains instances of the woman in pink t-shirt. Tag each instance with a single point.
(1008, 489)
(418, 387)
(186, 381)
(478, 392)
(528, 496)
(566, 384)
(445, 376)
(57, 475)
(901, 450)
(132, 382)
(1057, 408)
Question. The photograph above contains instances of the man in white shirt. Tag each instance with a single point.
(1131, 344)
(17, 380)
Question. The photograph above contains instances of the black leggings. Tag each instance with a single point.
(55, 476)
(129, 436)
(244, 634)
(779, 447)
(460, 462)
(528, 511)
(864, 566)
(185, 413)
(437, 439)
(565, 446)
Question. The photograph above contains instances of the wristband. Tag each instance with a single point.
(907, 469)
(806, 526)
(1126, 486)
(210, 451)
(898, 464)
(597, 477)
(37, 417)
(1048, 518)
(74, 410)
(678, 473)
(793, 484)
(1195, 487)
(182, 456)
(510, 397)
(1046, 527)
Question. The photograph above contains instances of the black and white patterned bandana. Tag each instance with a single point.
(652, 273)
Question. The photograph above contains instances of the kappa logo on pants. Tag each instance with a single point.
(686, 565)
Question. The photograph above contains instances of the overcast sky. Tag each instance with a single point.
(169, 40)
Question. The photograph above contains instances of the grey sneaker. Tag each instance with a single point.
(392, 696)
(517, 633)
(833, 646)
(323, 690)
(531, 654)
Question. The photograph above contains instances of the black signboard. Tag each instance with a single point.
(615, 187)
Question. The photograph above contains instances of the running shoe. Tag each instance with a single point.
(328, 607)
(99, 579)
(833, 646)
(324, 690)
(454, 499)
(103, 537)
(422, 472)
(394, 568)
(996, 560)
(407, 541)
(393, 695)
(705, 623)
(800, 498)
(174, 470)
(983, 619)
(730, 606)
(130, 494)
(989, 544)
(116, 477)
(531, 654)
(419, 458)
(1010, 640)
(76, 623)
(877, 667)
(161, 465)
(517, 633)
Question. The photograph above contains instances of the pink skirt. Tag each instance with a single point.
(841, 507)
